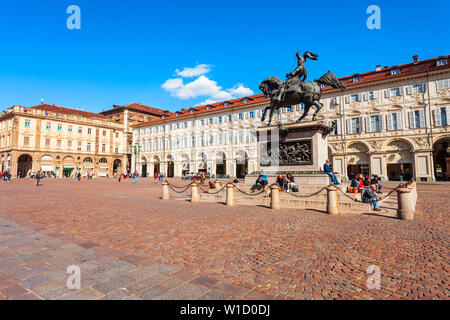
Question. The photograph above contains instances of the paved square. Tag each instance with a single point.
(130, 244)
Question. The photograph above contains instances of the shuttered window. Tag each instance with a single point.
(417, 119)
(394, 121)
(441, 116)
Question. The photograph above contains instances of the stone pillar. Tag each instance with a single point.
(230, 195)
(412, 187)
(332, 204)
(194, 192)
(165, 190)
(405, 209)
(217, 184)
(274, 197)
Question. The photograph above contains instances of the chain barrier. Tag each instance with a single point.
(345, 194)
(177, 187)
(215, 192)
(252, 194)
(401, 185)
(308, 195)
(178, 191)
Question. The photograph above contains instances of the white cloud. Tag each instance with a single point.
(172, 84)
(198, 70)
(202, 87)
(240, 91)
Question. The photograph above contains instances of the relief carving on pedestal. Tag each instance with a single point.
(288, 153)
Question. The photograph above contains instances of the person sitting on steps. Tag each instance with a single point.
(371, 196)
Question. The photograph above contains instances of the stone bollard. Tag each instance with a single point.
(413, 198)
(405, 209)
(332, 204)
(414, 192)
(194, 192)
(217, 184)
(274, 197)
(230, 195)
(165, 191)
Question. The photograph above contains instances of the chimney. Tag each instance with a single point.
(415, 57)
(378, 68)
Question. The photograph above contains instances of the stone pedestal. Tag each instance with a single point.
(298, 148)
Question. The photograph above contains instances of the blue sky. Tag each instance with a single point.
(126, 50)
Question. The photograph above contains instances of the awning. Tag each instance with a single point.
(103, 168)
(69, 167)
(88, 167)
(46, 168)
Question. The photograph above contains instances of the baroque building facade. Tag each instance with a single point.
(60, 141)
(393, 122)
(127, 115)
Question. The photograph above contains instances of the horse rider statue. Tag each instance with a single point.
(296, 90)
(299, 72)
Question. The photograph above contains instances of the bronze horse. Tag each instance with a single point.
(296, 92)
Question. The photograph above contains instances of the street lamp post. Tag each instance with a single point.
(137, 150)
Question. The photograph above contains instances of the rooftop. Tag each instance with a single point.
(69, 111)
(138, 107)
(385, 73)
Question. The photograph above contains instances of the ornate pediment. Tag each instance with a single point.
(395, 99)
(421, 142)
(376, 144)
(444, 92)
(338, 147)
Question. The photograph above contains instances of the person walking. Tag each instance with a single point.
(135, 178)
(38, 178)
(155, 177)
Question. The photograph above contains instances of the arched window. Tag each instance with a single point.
(103, 160)
(87, 159)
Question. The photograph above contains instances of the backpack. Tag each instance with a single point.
(294, 189)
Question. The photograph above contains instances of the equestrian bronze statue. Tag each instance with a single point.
(295, 90)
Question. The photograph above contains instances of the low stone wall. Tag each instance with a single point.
(289, 201)
(335, 201)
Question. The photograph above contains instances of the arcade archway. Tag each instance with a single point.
(399, 160)
(441, 159)
(241, 164)
(24, 165)
(221, 169)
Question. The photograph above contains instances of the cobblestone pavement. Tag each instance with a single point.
(132, 245)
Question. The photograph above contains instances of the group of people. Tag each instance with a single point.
(285, 184)
(359, 183)
(157, 177)
(370, 189)
(5, 176)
